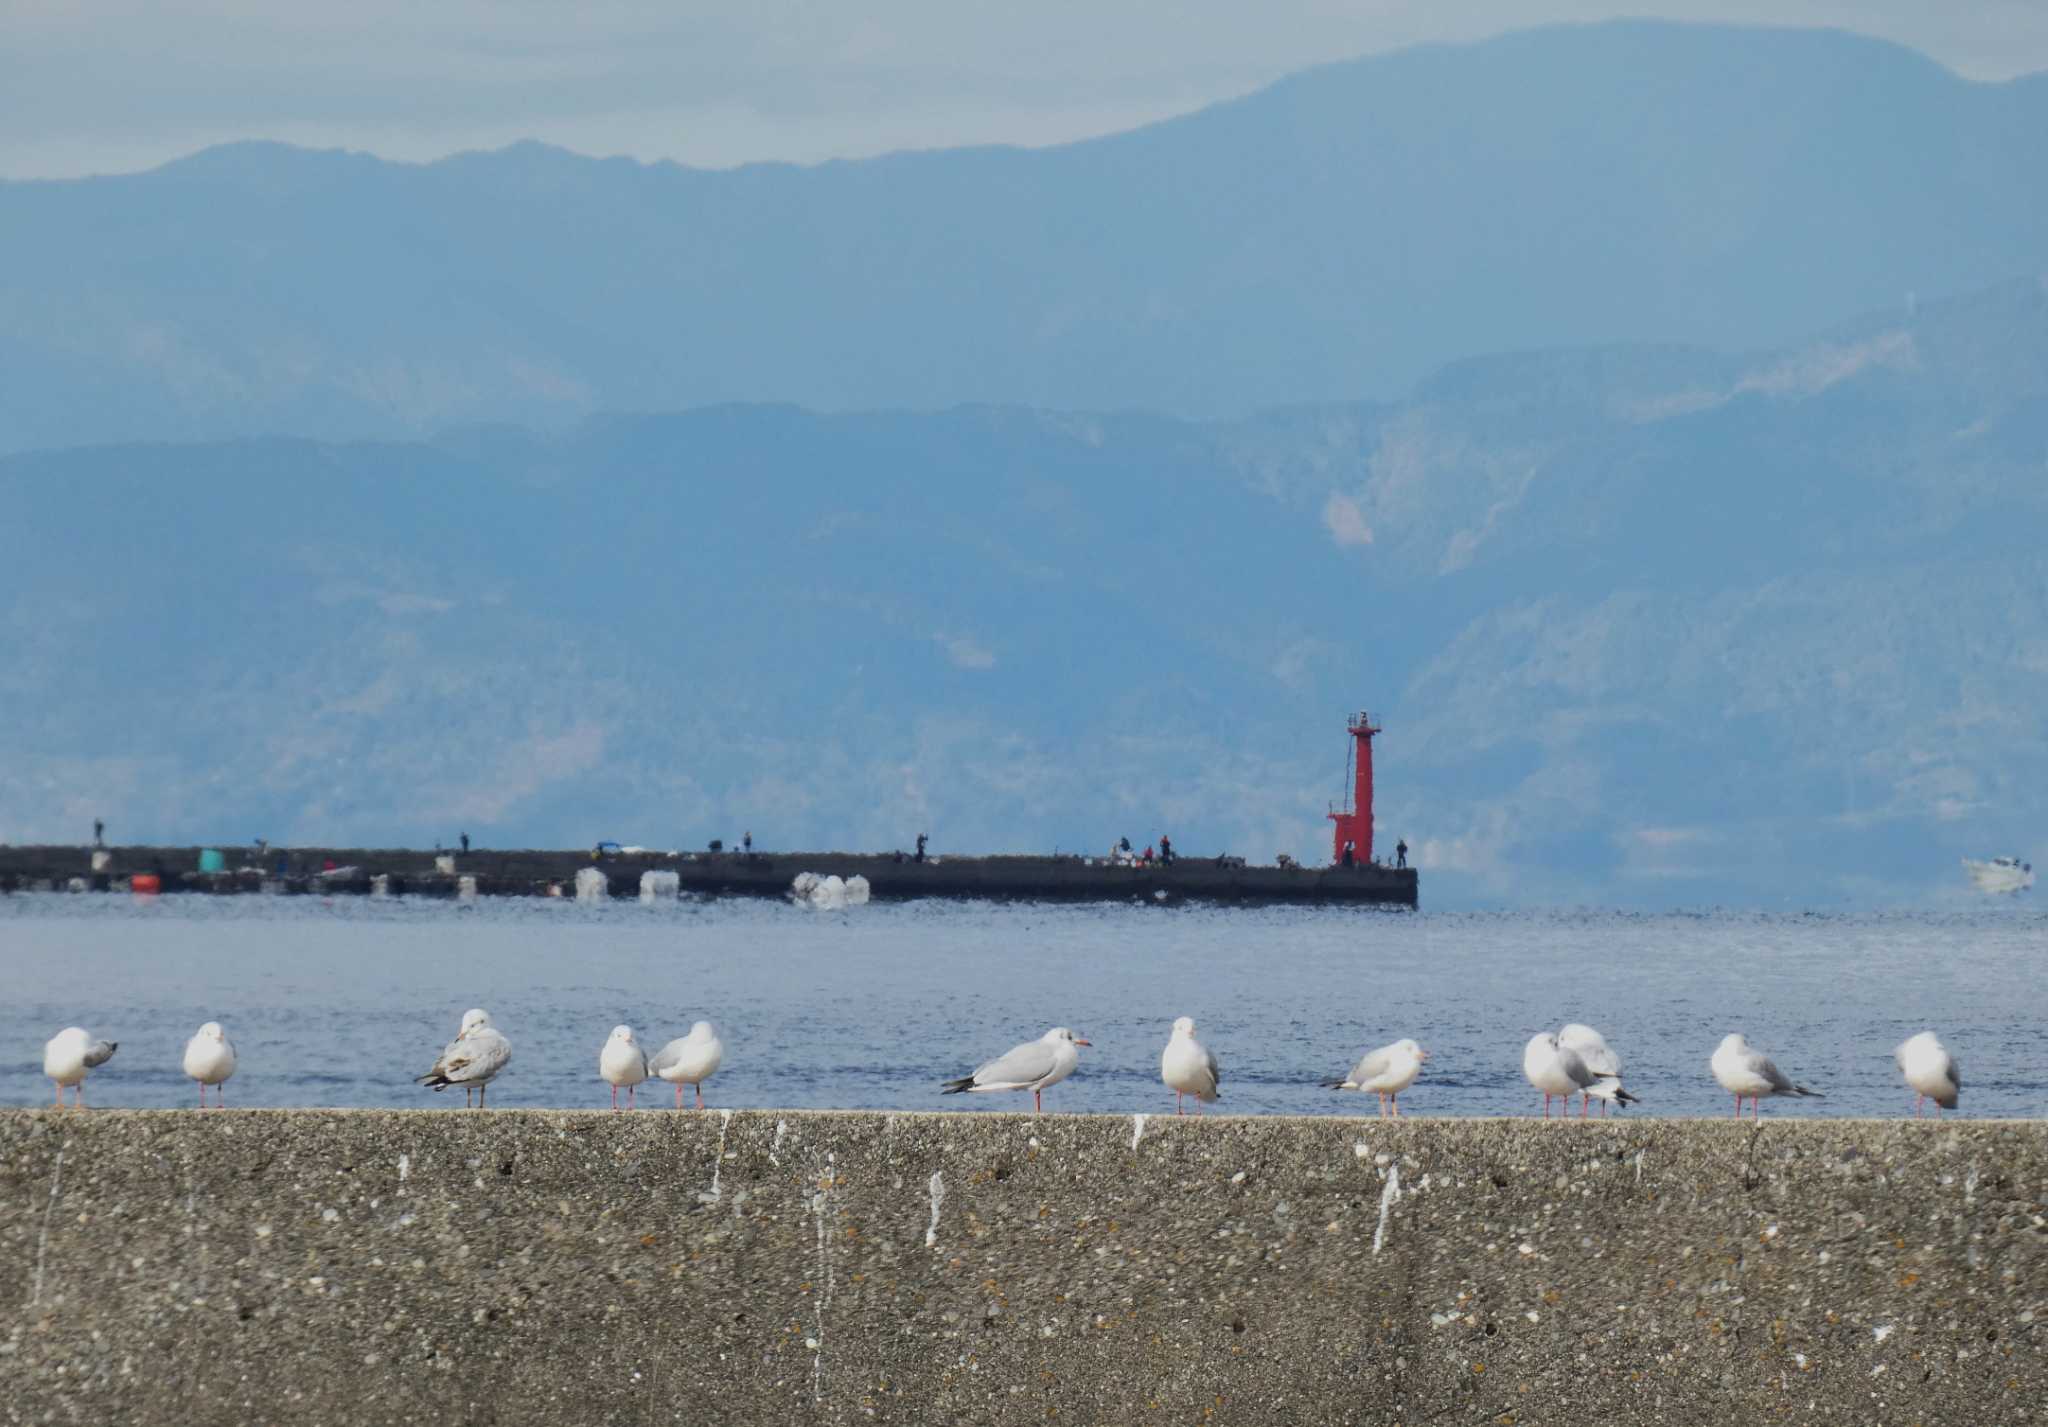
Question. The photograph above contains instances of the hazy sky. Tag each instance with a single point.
(109, 85)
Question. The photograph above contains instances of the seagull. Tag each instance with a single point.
(1031, 1066)
(689, 1060)
(1743, 1071)
(622, 1062)
(1592, 1048)
(1557, 1069)
(69, 1055)
(473, 1059)
(1386, 1072)
(210, 1060)
(1188, 1067)
(1931, 1072)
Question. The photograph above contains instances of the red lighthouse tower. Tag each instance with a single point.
(1354, 824)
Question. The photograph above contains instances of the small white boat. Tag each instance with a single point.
(2000, 874)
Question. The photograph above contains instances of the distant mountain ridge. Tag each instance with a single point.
(1644, 626)
(1338, 235)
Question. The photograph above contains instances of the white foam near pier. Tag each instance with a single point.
(830, 892)
(592, 885)
(465, 889)
(660, 886)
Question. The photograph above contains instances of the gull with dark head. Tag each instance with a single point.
(1386, 1072)
(1189, 1068)
(1032, 1066)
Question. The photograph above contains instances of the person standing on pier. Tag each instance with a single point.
(465, 844)
(99, 833)
(921, 840)
(747, 842)
(1401, 853)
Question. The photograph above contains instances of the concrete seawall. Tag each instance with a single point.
(890, 877)
(551, 1268)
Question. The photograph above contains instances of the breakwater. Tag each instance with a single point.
(760, 1267)
(342, 871)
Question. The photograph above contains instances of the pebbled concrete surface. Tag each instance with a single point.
(570, 1268)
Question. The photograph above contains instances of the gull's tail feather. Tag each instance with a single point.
(1802, 1090)
(954, 1087)
(1622, 1097)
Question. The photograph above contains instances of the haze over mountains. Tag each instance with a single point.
(1672, 577)
(1644, 625)
(1337, 236)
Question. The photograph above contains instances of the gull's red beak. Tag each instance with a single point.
(1082, 1040)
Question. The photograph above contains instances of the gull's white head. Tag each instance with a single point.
(623, 1033)
(1915, 1047)
(474, 1020)
(1409, 1047)
(1732, 1043)
(1578, 1032)
(1185, 1026)
(1061, 1033)
(1542, 1040)
(212, 1031)
(703, 1030)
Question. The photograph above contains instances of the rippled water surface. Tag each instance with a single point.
(342, 1002)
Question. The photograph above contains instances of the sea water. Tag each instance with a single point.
(342, 1001)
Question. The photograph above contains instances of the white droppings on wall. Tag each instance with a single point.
(714, 1194)
(1389, 1197)
(43, 1241)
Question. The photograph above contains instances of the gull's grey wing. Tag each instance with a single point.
(1020, 1065)
(100, 1052)
(1215, 1070)
(448, 1056)
(1763, 1065)
(1373, 1062)
(477, 1056)
(1955, 1072)
(1575, 1067)
(668, 1055)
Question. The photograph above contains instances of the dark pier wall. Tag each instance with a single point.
(566, 1269)
(413, 872)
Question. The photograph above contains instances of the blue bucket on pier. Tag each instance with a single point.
(210, 860)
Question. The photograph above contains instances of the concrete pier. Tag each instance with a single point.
(763, 1267)
(341, 871)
